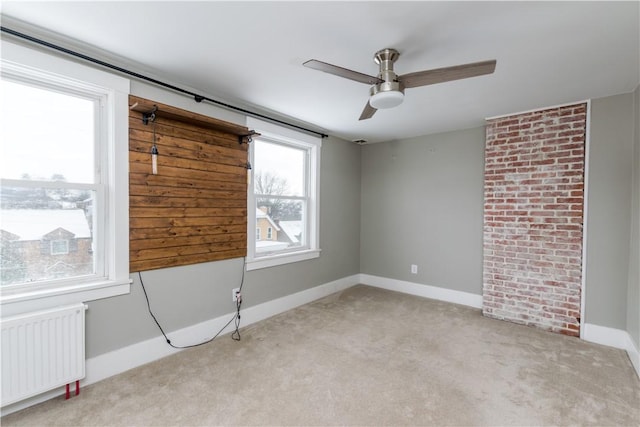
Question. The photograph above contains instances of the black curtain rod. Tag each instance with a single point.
(196, 97)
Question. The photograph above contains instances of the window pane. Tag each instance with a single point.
(46, 234)
(45, 135)
(279, 169)
(44, 198)
(59, 247)
(280, 223)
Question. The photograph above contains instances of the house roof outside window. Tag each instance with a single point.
(262, 214)
(33, 224)
(293, 229)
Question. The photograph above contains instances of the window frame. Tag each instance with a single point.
(280, 135)
(22, 64)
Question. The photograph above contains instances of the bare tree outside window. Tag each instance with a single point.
(267, 183)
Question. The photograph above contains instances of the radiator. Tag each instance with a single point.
(41, 351)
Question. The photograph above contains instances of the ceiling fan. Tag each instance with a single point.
(387, 90)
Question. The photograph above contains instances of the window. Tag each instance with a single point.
(64, 191)
(59, 247)
(49, 182)
(257, 233)
(283, 195)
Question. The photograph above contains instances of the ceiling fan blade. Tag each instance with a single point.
(342, 72)
(441, 75)
(368, 112)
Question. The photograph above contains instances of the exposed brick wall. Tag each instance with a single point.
(533, 216)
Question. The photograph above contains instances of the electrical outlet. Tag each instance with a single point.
(234, 293)
(414, 269)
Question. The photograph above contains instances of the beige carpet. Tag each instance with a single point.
(366, 356)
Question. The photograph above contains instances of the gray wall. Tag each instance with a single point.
(422, 203)
(387, 206)
(633, 293)
(609, 211)
(184, 296)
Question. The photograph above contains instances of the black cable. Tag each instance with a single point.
(235, 335)
(196, 97)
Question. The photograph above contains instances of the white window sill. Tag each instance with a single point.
(62, 295)
(281, 259)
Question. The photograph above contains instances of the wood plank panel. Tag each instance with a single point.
(174, 251)
(177, 147)
(152, 264)
(181, 130)
(153, 181)
(200, 193)
(184, 222)
(183, 116)
(156, 232)
(166, 242)
(194, 174)
(164, 160)
(195, 208)
(181, 212)
(174, 202)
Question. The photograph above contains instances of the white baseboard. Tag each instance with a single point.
(593, 333)
(117, 361)
(427, 291)
(613, 338)
(634, 354)
(123, 359)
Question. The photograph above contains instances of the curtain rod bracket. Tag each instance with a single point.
(150, 116)
(248, 138)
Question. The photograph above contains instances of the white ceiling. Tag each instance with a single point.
(250, 54)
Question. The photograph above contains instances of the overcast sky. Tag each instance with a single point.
(44, 133)
(282, 161)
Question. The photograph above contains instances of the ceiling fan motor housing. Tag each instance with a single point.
(389, 93)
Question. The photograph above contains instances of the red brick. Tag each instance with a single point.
(533, 217)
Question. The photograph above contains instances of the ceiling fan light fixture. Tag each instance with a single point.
(388, 99)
